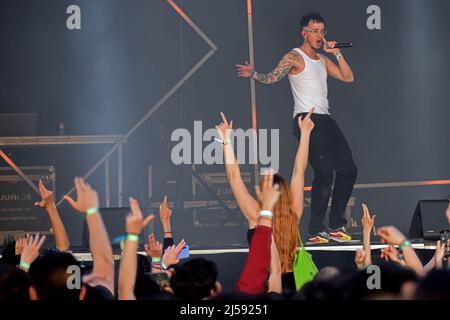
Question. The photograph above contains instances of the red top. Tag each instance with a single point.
(256, 269)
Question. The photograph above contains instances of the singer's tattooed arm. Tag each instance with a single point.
(284, 66)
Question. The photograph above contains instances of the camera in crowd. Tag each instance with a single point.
(444, 237)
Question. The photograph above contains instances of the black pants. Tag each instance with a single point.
(328, 152)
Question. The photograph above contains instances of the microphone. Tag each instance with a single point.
(344, 45)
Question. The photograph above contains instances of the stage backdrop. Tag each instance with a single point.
(99, 66)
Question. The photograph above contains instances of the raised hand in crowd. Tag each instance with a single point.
(165, 214)
(368, 223)
(246, 202)
(268, 193)
(87, 202)
(47, 199)
(392, 254)
(439, 255)
(360, 257)
(19, 245)
(153, 248)
(447, 213)
(87, 198)
(306, 125)
(30, 251)
(255, 272)
(437, 260)
(48, 203)
(135, 223)
(393, 236)
(274, 282)
(170, 256)
(225, 128)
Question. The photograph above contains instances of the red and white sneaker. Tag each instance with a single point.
(321, 237)
(339, 235)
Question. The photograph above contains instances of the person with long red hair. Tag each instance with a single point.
(289, 208)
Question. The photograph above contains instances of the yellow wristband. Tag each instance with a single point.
(25, 265)
(133, 237)
(91, 211)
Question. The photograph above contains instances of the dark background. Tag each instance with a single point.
(103, 78)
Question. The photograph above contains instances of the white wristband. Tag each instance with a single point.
(338, 56)
(224, 142)
(266, 213)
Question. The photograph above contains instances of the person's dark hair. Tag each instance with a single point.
(312, 16)
(435, 286)
(194, 279)
(326, 285)
(50, 276)
(98, 293)
(321, 290)
(145, 287)
(327, 274)
(9, 253)
(14, 284)
(392, 275)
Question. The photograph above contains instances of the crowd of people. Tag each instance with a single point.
(27, 272)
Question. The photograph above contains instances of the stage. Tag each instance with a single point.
(231, 261)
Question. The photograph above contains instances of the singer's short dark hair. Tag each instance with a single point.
(312, 16)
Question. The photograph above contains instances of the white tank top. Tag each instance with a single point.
(309, 88)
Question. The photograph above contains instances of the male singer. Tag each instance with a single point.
(307, 71)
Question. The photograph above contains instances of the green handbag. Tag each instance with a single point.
(304, 266)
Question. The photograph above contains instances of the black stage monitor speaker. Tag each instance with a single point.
(114, 220)
(429, 219)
